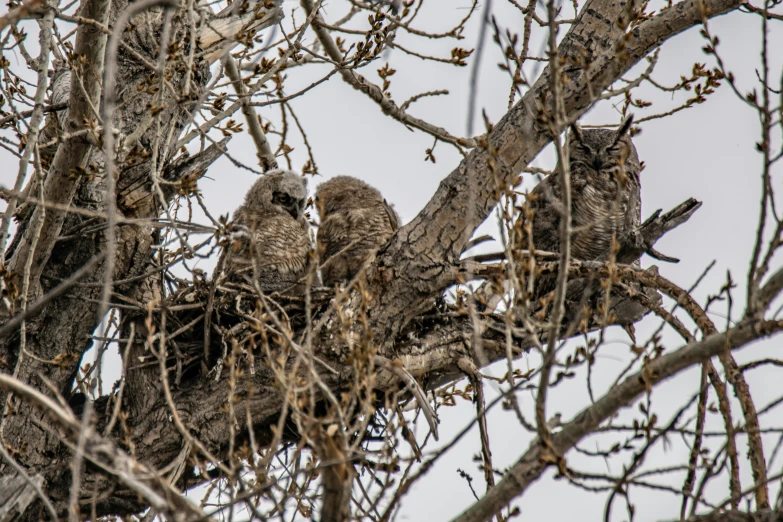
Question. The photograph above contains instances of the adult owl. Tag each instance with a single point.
(605, 201)
(605, 193)
(355, 222)
(269, 237)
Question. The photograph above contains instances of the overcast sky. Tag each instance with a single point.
(706, 152)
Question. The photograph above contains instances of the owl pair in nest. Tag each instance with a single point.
(270, 235)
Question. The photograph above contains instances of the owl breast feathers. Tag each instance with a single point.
(605, 194)
(270, 239)
(355, 222)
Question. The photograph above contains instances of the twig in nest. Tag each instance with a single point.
(413, 387)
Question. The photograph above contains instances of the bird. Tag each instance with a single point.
(355, 221)
(604, 170)
(605, 193)
(269, 238)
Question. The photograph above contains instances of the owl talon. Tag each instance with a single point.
(660, 257)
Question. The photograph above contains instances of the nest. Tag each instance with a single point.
(242, 324)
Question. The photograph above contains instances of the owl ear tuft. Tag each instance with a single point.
(625, 127)
(576, 130)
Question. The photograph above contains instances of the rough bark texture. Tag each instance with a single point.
(408, 275)
(15, 495)
(60, 333)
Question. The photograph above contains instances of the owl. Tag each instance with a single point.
(605, 203)
(269, 237)
(355, 222)
(605, 193)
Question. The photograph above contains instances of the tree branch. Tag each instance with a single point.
(266, 159)
(362, 84)
(145, 482)
(218, 36)
(60, 185)
(737, 516)
(420, 254)
(533, 463)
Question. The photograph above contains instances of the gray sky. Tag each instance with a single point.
(706, 152)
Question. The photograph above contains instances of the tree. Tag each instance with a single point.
(274, 406)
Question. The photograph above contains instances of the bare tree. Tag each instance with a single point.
(326, 405)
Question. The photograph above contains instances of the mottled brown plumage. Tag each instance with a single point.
(605, 194)
(355, 222)
(605, 203)
(270, 235)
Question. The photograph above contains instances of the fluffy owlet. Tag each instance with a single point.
(605, 194)
(269, 237)
(355, 222)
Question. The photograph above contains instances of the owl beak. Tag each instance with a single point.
(295, 208)
(597, 163)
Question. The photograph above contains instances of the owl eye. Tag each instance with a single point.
(284, 199)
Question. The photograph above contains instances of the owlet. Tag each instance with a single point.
(355, 222)
(270, 238)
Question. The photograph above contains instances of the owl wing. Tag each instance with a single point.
(634, 206)
(545, 202)
(236, 254)
(357, 230)
(333, 235)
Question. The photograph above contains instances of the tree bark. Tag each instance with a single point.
(60, 333)
(421, 260)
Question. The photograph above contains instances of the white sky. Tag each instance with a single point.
(706, 152)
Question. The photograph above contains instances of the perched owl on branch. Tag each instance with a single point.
(270, 239)
(605, 204)
(605, 193)
(355, 222)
